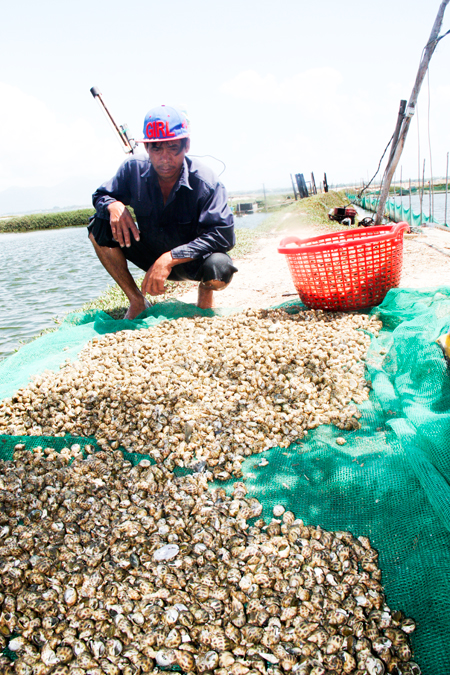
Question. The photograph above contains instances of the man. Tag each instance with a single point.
(185, 226)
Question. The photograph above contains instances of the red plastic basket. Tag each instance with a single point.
(346, 270)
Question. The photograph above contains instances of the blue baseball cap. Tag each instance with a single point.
(165, 123)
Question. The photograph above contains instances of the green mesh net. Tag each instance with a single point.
(390, 480)
(396, 212)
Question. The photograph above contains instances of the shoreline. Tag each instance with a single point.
(264, 280)
(255, 255)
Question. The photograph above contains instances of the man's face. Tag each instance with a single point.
(167, 158)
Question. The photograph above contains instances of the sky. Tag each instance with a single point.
(271, 88)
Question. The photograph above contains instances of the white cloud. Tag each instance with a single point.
(317, 120)
(310, 121)
(40, 148)
(310, 90)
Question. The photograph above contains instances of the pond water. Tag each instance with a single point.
(438, 205)
(49, 273)
(43, 275)
(249, 221)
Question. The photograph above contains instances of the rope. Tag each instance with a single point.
(212, 157)
(379, 164)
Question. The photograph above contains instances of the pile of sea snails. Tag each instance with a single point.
(113, 569)
(205, 389)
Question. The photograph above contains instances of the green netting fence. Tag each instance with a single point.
(396, 212)
(390, 481)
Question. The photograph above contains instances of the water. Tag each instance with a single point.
(250, 221)
(44, 275)
(439, 205)
(47, 274)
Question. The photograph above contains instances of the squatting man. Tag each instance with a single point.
(184, 225)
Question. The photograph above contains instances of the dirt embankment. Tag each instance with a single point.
(264, 280)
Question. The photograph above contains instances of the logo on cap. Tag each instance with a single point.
(158, 129)
(165, 123)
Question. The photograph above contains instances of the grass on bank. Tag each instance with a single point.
(80, 217)
(46, 221)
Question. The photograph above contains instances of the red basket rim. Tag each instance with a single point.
(303, 245)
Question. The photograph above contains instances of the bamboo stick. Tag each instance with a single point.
(423, 67)
(446, 191)
(421, 194)
(410, 212)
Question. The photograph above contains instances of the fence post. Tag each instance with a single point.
(410, 207)
(446, 191)
(293, 187)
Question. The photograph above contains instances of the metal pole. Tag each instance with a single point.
(446, 191)
(423, 67)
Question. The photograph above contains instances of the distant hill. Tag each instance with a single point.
(71, 194)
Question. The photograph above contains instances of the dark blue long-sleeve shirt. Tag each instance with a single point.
(194, 222)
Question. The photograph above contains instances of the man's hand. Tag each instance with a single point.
(153, 283)
(122, 223)
(157, 274)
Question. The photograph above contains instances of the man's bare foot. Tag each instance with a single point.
(205, 298)
(136, 307)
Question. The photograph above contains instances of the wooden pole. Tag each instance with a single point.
(431, 189)
(401, 192)
(394, 197)
(410, 212)
(446, 191)
(398, 126)
(401, 179)
(421, 194)
(293, 187)
(418, 151)
(430, 204)
(398, 149)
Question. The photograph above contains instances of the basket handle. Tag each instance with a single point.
(289, 240)
(396, 229)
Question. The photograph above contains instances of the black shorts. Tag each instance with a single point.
(216, 266)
